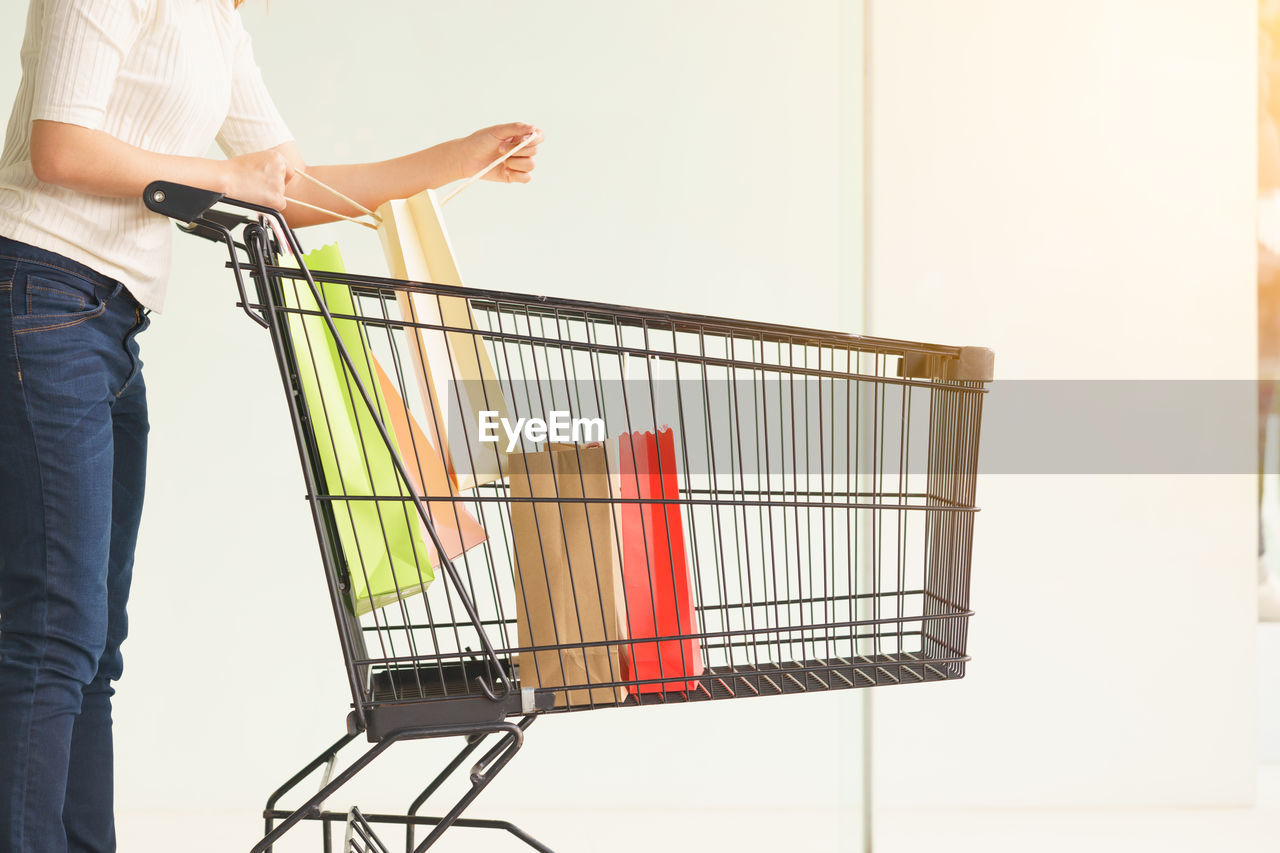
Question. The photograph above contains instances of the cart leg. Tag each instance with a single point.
(505, 825)
(326, 757)
(512, 738)
(481, 775)
(264, 846)
(360, 836)
(473, 743)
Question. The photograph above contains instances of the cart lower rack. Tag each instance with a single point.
(527, 505)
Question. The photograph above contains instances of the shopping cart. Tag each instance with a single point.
(805, 509)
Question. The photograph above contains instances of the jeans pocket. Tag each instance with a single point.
(52, 300)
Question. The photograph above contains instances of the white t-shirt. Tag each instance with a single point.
(168, 76)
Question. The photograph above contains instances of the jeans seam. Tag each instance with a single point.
(35, 262)
(31, 312)
(17, 362)
(97, 312)
(133, 362)
(44, 616)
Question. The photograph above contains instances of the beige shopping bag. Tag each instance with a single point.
(453, 369)
(568, 572)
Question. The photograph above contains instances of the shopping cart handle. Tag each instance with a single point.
(180, 202)
(210, 226)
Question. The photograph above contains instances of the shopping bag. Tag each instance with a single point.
(457, 528)
(454, 370)
(386, 554)
(568, 581)
(655, 566)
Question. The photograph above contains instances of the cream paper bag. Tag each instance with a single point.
(453, 369)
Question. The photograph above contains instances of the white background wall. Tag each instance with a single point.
(693, 162)
(1071, 185)
(1068, 184)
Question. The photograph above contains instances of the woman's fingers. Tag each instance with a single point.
(512, 130)
(516, 170)
(259, 177)
(521, 164)
(527, 151)
(532, 136)
(507, 144)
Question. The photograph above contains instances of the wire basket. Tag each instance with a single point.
(528, 505)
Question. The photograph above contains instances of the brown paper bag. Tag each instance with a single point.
(568, 574)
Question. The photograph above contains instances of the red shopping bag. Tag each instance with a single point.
(655, 566)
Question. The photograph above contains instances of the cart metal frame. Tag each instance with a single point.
(773, 633)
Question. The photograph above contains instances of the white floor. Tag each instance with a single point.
(565, 831)
(1255, 830)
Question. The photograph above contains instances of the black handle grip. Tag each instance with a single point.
(177, 201)
(210, 225)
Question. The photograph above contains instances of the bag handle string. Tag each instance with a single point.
(351, 201)
(364, 211)
(357, 220)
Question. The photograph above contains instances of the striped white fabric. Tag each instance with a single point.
(169, 76)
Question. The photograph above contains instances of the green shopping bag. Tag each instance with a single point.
(386, 554)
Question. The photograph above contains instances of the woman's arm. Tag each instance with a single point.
(99, 164)
(372, 184)
(94, 162)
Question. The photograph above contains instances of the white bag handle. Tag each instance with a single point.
(364, 211)
(357, 205)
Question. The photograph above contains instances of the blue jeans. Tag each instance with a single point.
(73, 448)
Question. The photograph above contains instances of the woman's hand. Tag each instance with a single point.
(259, 178)
(484, 146)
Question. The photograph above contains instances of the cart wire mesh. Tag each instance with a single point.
(810, 528)
(528, 505)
